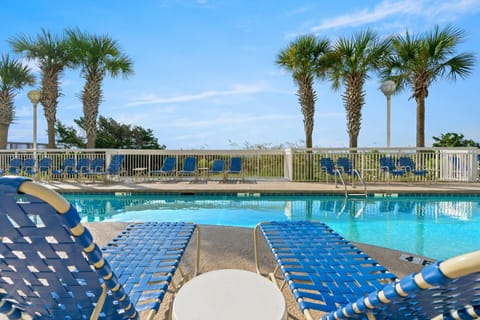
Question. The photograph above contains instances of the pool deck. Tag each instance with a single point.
(262, 187)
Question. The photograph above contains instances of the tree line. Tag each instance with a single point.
(96, 56)
(412, 61)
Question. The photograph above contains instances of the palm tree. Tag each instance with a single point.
(418, 61)
(97, 56)
(13, 76)
(352, 61)
(50, 53)
(304, 59)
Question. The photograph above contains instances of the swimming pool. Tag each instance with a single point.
(432, 226)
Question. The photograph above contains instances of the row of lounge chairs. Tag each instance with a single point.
(391, 167)
(86, 168)
(70, 167)
(50, 267)
(190, 168)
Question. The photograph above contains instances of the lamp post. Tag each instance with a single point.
(388, 87)
(34, 96)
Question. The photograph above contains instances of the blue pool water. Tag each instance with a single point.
(436, 227)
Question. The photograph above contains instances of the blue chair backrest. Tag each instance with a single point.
(29, 166)
(407, 163)
(83, 164)
(218, 165)
(345, 163)
(97, 165)
(189, 164)
(15, 166)
(116, 163)
(169, 164)
(327, 165)
(68, 165)
(235, 164)
(387, 163)
(45, 164)
(30, 162)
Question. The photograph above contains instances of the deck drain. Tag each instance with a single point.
(415, 259)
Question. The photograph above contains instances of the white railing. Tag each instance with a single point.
(441, 164)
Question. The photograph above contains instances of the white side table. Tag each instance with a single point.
(229, 294)
(140, 173)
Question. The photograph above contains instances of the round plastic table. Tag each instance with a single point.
(229, 294)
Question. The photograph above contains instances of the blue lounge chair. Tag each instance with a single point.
(15, 166)
(97, 168)
(97, 165)
(218, 167)
(81, 168)
(114, 168)
(329, 274)
(387, 164)
(327, 166)
(189, 167)
(407, 164)
(66, 169)
(345, 165)
(83, 165)
(29, 167)
(45, 166)
(167, 169)
(50, 267)
(235, 168)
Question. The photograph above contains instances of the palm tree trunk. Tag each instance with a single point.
(6, 116)
(306, 97)
(49, 101)
(420, 121)
(91, 97)
(354, 99)
(3, 135)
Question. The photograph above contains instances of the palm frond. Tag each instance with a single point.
(13, 74)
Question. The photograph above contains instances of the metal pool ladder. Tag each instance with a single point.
(353, 196)
(360, 178)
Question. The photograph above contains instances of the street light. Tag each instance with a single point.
(34, 96)
(388, 87)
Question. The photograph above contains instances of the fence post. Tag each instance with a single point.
(288, 164)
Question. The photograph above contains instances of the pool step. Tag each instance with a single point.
(357, 195)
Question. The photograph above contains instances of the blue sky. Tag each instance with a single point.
(205, 75)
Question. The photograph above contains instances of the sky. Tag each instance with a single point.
(205, 75)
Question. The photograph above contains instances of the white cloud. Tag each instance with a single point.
(380, 12)
(239, 89)
(432, 9)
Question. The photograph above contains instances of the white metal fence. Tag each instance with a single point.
(441, 164)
